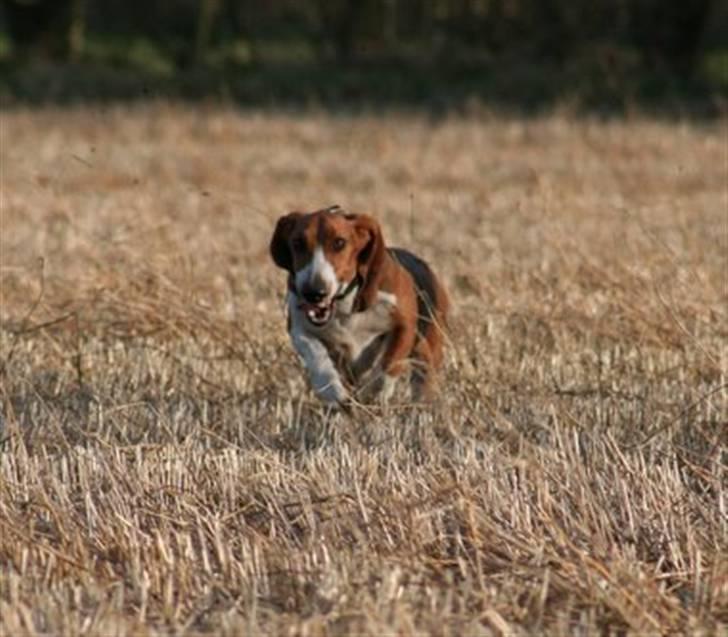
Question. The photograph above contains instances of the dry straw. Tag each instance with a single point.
(164, 469)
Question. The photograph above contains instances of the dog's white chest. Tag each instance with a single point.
(353, 335)
(358, 338)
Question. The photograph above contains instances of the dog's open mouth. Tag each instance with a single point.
(318, 314)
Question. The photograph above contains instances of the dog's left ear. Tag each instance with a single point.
(279, 249)
(370, 259)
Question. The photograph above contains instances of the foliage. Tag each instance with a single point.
(601, 52)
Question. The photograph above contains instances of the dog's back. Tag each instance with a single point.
(432, 301)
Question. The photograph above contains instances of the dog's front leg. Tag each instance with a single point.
(322, 372)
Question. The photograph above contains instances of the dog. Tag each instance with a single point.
(360, 314)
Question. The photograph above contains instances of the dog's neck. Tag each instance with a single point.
(346, 300)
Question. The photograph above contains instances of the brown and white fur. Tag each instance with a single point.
(360, 314)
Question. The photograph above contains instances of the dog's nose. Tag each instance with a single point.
(313, 294)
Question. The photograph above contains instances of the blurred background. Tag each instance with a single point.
(600, 55)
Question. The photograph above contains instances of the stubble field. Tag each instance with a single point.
(164, 469)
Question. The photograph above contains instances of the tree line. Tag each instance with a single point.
(661, 34)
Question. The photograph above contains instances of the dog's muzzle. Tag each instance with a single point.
(319, 311)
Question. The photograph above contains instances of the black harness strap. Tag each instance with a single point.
(348, 289)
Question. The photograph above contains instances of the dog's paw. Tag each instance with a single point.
(332, 393)
(389, 384)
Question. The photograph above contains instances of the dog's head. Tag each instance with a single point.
(326, 253)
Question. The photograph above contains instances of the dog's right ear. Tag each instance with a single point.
(279, 248)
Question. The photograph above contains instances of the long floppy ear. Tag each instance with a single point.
(370, 260)
(279, 250)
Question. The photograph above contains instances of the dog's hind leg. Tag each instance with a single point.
(422, 376)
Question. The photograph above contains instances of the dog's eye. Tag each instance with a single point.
(298, 245)
(339, 244)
